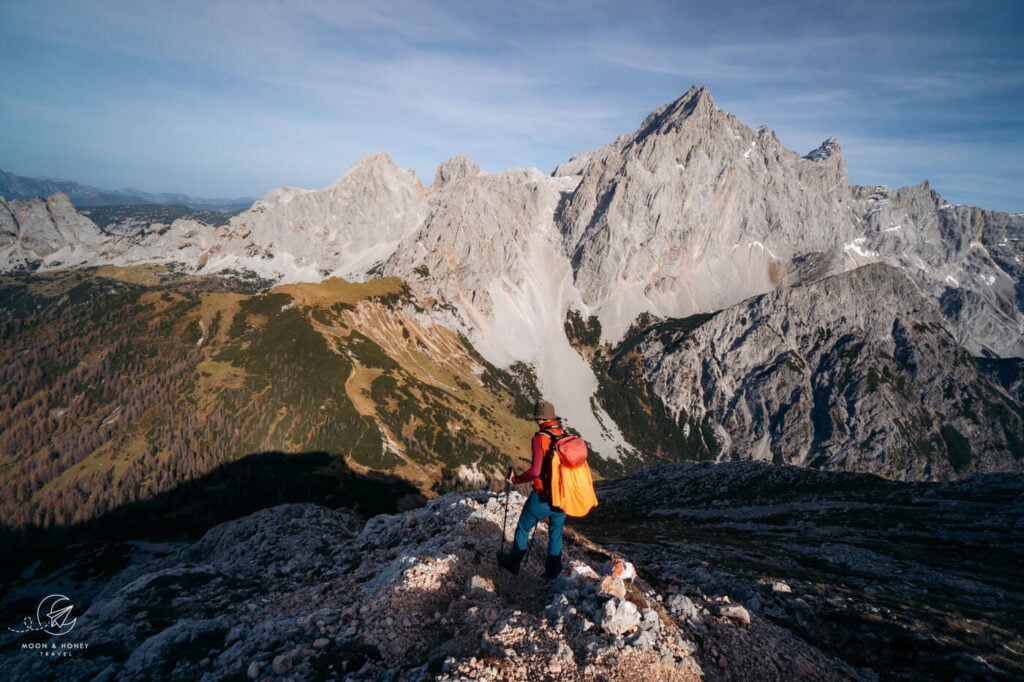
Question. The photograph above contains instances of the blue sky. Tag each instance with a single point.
(235, 98)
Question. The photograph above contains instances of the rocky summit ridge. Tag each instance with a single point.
(693, 213)
(732, 571)
(304, 592)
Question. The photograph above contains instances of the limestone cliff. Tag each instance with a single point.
(857, 372)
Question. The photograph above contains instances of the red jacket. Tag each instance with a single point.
(540, 445)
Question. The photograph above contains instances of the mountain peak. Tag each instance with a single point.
(370, 164)
(698, 93)
(378, 169)
(453, 169)
(825, 150)
(696, 103)
(698, 96)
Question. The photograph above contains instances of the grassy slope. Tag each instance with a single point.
(124, 384)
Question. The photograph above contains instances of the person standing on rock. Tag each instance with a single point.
(538, 505)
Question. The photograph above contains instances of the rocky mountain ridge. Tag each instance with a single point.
(906, 581)
(693, 213)
(799, 377)
(696, 212)
(302, 591)
(701, 571)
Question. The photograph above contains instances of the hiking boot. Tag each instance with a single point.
(553, 566)
(511, 560)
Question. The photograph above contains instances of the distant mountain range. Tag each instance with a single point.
(19, 187)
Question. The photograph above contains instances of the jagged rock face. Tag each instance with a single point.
(971, 261)
(46, 232)
(487, 245)
(696, 212)
(453, 169)
(478, 231)
(343, 230)
(815, 375)
(579, 161)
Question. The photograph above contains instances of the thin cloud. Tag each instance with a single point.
(294, 93)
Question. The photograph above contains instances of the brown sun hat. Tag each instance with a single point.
(544, 410)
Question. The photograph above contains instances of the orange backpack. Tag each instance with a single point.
(572, 487)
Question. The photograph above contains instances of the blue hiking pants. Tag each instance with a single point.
(534, 510)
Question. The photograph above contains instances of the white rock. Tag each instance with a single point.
(620, 616)
(682, 604)
(481, 584)
(736, 613)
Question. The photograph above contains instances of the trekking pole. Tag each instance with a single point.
(508, 492)
(529, 545)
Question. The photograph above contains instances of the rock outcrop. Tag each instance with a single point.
(46, 233)
(969, 260)
(850, 563)
(303, 592)
(857, 372)
(704, 571)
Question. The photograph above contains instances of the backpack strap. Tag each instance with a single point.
(549, 459)
(554, 438)
(551, 435)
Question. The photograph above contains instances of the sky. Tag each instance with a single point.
(228, 99)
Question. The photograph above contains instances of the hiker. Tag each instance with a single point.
(538, 505)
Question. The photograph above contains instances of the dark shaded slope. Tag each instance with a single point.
(914, 581)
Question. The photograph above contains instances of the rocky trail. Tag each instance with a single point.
(302, 592)
(684, 572)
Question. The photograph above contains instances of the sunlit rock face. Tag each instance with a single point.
(46, 232)
(694, 212)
